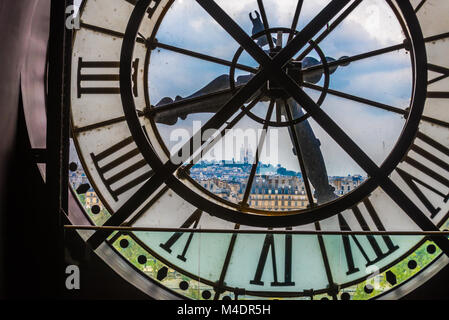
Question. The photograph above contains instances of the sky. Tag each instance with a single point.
(386, 78)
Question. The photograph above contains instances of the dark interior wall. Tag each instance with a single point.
(26, 243)
(14, 29)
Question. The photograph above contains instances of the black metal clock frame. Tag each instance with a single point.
(58, 132)
(56, 155)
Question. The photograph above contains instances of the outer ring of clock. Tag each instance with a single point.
(419, 63)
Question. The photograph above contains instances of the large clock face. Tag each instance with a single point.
(290, 136)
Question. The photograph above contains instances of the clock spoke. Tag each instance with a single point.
(295, 18)
(329, 125)
(99, 29)
(265, 23)
(404, 112)
(228, 24)
(302, 38)
(309, 31)
(358, 57)
(371, 54)
(156, 44)
(330, 28)
(437, 37)
(103, 124)
(356, 98)
(278, 112)
(253, 172)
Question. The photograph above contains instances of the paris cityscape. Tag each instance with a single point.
(274, 187)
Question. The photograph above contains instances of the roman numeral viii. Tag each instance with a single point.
(118, 181)
(425, 171)
(373, 242)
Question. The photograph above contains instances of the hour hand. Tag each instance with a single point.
(214, 95)
(313, 74)
(207, 100)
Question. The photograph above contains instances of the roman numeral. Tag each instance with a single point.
(97, 77)
(83, 77)
(111, 160)
(413, 181)
(373, 242)
(269, 245)
(194, 219)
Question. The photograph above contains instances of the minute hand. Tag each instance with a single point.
(311, 154)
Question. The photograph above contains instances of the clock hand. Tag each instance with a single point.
(310, 151)
(167, 111)
(314, 75)
(209, 99)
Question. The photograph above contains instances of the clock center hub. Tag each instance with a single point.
(274, 90)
